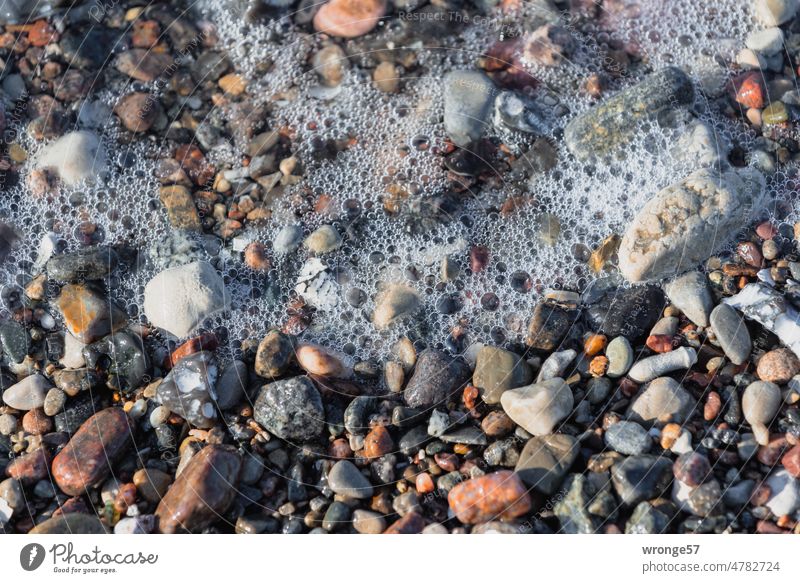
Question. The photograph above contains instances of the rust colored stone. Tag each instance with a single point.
(500, 495)
(86, 460)
(204, 490)
(206, 341)
(30, 468)
(712, 407)
(791, 461)
(378, 442)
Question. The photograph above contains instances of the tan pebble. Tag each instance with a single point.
(386, 77)
(233, 84)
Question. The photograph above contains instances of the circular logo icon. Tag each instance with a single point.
(31, 556)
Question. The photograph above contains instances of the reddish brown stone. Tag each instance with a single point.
(447, 461)
(42, 34)
(137, 111)
(497, 424)
(30, 468)
(791, 461)
(74, 505)
(770, 454)
(206, 341)
(500, 495)
(378, 442)
(204, 490)
(424, 483)
(712, 407)
(36, 422)
(195, 165)
(340, 449)
(86, 460)
(411, 523)
(659, 343)
(88, 315)
(145, 33)
(769, 527)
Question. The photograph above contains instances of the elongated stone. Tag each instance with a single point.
(685, 223)
(86, 460)
(731, 333)
(653, 367)
(615, 122)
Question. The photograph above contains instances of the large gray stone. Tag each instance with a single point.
(291, 409)
(545, 460)
(437, 378)
(614, 123)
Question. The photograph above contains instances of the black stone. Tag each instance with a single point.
(629, 312)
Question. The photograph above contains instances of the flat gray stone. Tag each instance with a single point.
(346, 479)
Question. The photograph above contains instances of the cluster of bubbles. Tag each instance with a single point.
(356, 143)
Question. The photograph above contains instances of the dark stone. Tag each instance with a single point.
(550, 324)
(573, 509)
(647, 519)
(15, 340)
(76, 411)
(124, 358)
(86, 264)
(437, 378)
(356, 415)
(641, 477)
(629, 312)
(413, 440)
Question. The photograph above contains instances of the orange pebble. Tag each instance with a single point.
(595, 344)
(424, 483)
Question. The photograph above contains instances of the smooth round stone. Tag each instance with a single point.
(54, 401)
(348, 18)
(393, 303)
(27, 394)
(620, 357)
(731, 332)
(180, 298)
(323, 240)
(628, 438)
(597, 389)
(775, 12)
(778, 366)
(346, 479)
(660, 398)
(336, 517)
(368, 522)
(497, 370)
